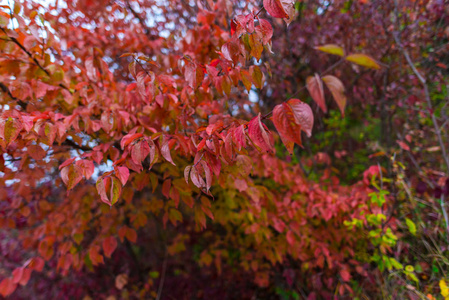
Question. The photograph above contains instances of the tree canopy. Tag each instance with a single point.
(219, 149)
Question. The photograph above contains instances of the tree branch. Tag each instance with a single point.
(6, 90)
(426, 96)
(72, 144)
(164, 270)
(15, 41)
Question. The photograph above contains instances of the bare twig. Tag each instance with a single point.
(164, 271)
(266, 116)
(446, 219)
(426, 92)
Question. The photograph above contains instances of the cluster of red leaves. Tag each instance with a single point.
(165, 127)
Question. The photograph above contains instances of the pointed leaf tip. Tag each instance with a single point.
(331, 49)
(258, 135)
(363, 60)
(315, 87)
(337, 89)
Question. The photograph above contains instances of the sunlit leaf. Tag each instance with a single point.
(363, 60)
(331, 49)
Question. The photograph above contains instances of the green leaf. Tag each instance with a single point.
(396, 264)
(409, 268)
(411, 226)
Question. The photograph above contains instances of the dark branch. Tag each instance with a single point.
(15, 41)
(6, 90)
(76, 146)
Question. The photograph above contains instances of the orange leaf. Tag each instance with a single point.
(109, 246)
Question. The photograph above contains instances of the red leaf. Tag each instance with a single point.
(285, 123)
(71, 176)
(125, 55)
(229, 147)
(17, 275)
(131, 235)
(140, 151)
(109, 246)
(337, 89)
(122, 233)
(95, 256)
(240, 137)
(165, 151)
(303, 115)
(87, 167)
(258, 135)
(166, 185)
(122, 174)
(7, 287)
(201, 145)
(231, 51)
(91, 71)
(403, 145)
(140, 78)
(280, 9)
(132, 69)
(196, 178)
(25, 276)
(266, 30)
(129, 138)
(208, 175)
(275, 8)
(36, 152)
(109, 188)
(345, 275)
(194, 75)
(315, 88)
(290, 237)
(37, 264)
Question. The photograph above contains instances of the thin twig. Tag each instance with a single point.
(260, 10)
(38, 64)
(164, 271)
(266, 116)
(443, 208)
(426, 92)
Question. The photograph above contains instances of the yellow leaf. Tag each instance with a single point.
(444, 288)
(332, 49)
(363, 60)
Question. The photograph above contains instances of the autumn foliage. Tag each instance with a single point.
(223, 149)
